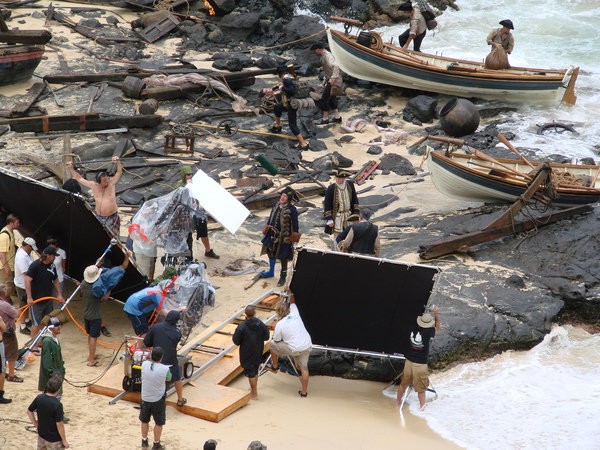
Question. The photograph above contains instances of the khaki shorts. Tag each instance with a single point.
(282, 349)
(11, 347)
(8, 280)
(43, 444)
(415, 374)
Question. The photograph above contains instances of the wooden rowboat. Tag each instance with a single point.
(470, 177)
(18, 62)
(366, 57)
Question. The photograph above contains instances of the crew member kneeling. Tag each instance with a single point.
(290, 338)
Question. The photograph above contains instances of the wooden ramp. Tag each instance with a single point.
(208, 396)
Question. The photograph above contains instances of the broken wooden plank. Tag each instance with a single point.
(158, 29)
(29, 37)
(28, 99)
(81, 122)
(462, 243)
(56, 169)
(367, 169)
(267, 200)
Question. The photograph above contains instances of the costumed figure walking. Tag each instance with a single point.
(280, 234)
(340, 203)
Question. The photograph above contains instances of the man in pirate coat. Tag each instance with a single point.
(340, 202)
(278, 231)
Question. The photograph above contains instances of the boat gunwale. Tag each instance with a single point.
(514, 182)
(554, 76)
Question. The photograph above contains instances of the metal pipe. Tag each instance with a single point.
(24, 351)
(357, 352)
(203, 337)
(222, 353)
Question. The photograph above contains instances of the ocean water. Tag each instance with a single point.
(548, 34)
(544, 398)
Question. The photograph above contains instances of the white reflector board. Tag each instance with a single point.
(218, 202)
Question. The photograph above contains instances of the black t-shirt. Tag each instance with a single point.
(49, 411)
(166, 336)
(418, 344)
(42, 279)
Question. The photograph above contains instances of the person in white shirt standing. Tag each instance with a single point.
(23, 260)
(60, 262)
(154, 375)
(290, 338)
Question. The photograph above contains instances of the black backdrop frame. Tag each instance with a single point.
(360, 302)
(46, 211)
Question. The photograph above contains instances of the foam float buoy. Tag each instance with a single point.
(459, 117)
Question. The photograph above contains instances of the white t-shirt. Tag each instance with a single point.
(61, 256)
(22, 262)
(291, 330)
(154, 376)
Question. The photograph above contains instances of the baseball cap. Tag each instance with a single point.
(31, 242)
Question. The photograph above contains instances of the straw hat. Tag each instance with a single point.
(425, 320)
(91, 273)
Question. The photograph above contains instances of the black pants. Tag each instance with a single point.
(327, 100)
(416, 41)
(278, 109)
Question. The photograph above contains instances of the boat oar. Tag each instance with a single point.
(477, 153)
(505, 141)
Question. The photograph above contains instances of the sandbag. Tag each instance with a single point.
(497, 59)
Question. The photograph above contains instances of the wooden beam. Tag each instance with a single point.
(29, 37)
(460, 244)
(80, 122)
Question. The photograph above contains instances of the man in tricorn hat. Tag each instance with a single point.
(279, 234)
(502, 36)
(415, 371)
(340, 202)
(418, 27)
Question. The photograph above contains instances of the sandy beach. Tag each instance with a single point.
(338, 414)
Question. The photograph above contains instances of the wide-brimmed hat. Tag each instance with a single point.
(91, 273)
(507, 23)
(425, 320)
(353, 218)
(31, 242)
(292, 194)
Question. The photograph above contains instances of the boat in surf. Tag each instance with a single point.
(365, 56)
(475, 176)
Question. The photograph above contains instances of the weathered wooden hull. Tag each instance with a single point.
(415, 70)
(468, 178)
(18, 62)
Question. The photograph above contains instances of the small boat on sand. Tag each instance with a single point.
(18, 62)
(365, 56)
(478, 177)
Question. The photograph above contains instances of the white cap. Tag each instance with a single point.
(30, 241)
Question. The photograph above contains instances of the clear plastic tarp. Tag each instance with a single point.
(191, 293)
(166, 222)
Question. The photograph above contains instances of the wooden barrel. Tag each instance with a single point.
(133, 87)
(148, 107)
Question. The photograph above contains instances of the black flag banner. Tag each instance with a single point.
(359, 302)
(46, 211)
